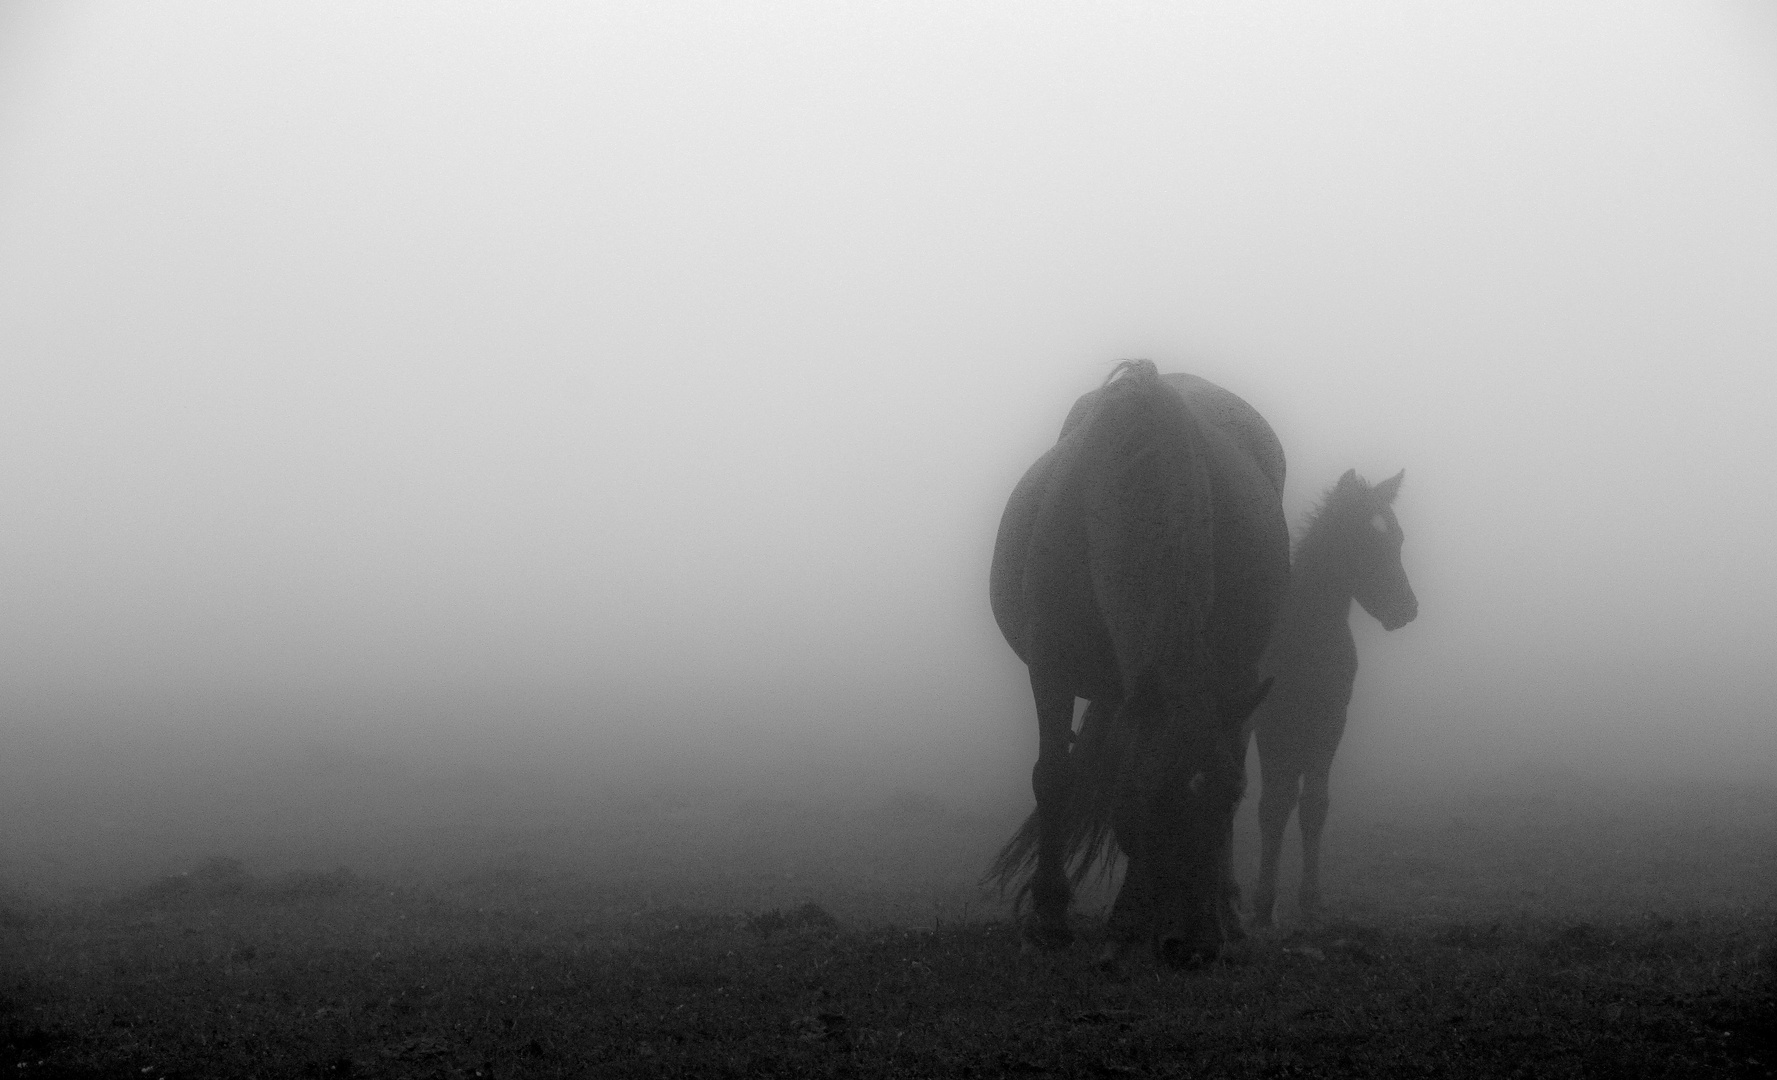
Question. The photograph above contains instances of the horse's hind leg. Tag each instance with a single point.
(1315, 800)
(1277, 799)
(1049, 780)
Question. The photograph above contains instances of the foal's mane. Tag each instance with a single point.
(1315, 521)
(1319, 520)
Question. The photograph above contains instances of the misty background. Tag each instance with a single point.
(634, 384)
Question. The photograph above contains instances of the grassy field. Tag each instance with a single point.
(361, 920)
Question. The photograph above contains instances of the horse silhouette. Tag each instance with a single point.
(1350, 549)
(1140, 565)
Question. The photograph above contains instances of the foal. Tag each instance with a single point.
(1350, 549)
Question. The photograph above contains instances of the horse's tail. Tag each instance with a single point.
(1012, 867)
(1096, 767)
(1143, 486)
(1146, 495)
(1139, 370)
(1100, 763)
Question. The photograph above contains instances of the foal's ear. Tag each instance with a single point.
(1349, 480)
(1389, 488)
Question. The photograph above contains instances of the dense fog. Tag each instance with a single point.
(621, 382)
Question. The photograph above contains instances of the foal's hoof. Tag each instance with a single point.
(1046, 937)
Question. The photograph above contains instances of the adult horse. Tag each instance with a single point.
(1140, 565)
(1350, 549)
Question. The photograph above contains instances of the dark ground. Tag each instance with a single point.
(344, 917)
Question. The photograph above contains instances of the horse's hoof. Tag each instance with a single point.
(1181, 957)
(1110, 960)
(1237, 952)
(1038, 937)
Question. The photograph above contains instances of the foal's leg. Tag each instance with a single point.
(1049, 778)
(1277, 799)
(1314, 816)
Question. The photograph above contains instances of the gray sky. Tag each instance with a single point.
(503, 371)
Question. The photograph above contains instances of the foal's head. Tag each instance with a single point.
(1364, 544)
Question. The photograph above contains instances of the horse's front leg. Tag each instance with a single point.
(1228, 906)
(1133, 912)
(1050, 781)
